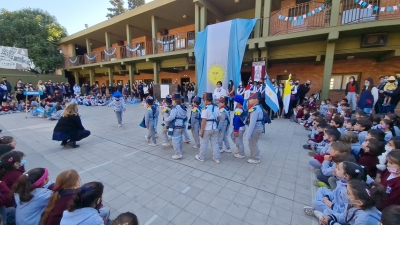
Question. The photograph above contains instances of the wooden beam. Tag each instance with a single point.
(206, 3)
(388, 55)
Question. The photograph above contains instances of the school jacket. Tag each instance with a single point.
(224, 121)
(328, 167)
(166, 113)
(318, 137)
(355, 216)
(83, 216)
(323, 148)
(195, 118)
(355, 150)
(361, 136)
(256, 116)
(29, 213)
(119, 106)
(338, 198)
(323, 109)
(10, 177)
(370, 162)
(178, 113)
(56, 214)
(238, 123)
(392, 190)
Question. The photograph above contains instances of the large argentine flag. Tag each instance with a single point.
(219, 52)
(270, 96)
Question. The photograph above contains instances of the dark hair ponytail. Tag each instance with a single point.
(355, 171)
(24, 185)
(87, 196)
(370, 196)
(8, 160)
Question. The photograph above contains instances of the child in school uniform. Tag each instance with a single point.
(238, 126)
(391, 215)
(393, 144)
(370, 150)
(150, 121)
(35, 112)
(362, 126)
(351, 138)
(224, 126)
(318, 137)
(119, 109)
(323, 108)
(305, 118)
(166, 112)
(349, 125)
(331, 135)
(387, 127)
(195, 121)
(337, 122)
(185, 133)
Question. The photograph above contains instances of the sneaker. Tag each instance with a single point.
(198, 158)
(152, 145)
(315, 182)
(119, 125)
(176, 156)
(221, 150)
(308, 210)
(187, 141)
(228, 151)
(147, 139)
(156, 135)
(216, 160)
(316, 171)
(238, 156)
(318, 214)
(312, 154)
(253, 161)
(196, 147)
(309, 135)
(307, 147)
(166, 144)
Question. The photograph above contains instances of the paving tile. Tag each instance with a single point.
(227, 194)
(211, 215)
(281, 214)
(285, 193)
(229, 220)
(181, 200)
(156, 204)
(261, 206)
(200, 221)
(220, 203)
(184, 218)
(265, 196)
(301, 219)
(195, 207)
(249, 191)
(237, 210)
(193, 192)
(144, 215)
(169, 212)
(243, 200)
(212, 188)
(169, 194)
(119, 201)
(205, 197)
(255, 218)
(283, 203)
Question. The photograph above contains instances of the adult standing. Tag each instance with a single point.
(8, 85)
(19, 90)
(366, 101)
(140, 90)
(119, 87)
(69, 128)
(231, 94)
(218, 92)
(303, 90)
(6, 91)
(352, 90)
(179, 87)
(103, 90)
(83, 90)
(395, 94)
(40, 86)
(378, 106)
(87, 88)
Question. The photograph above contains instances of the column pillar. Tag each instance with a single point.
(128, 34)
(73, 51)
(131, 69)
(108, 40)
(156, 72)
(91, 72)
(203, 18)
(196, 18)
(111, 75)
(154, 29)
(329, 58)
(76, 77)
(267, 15)
(257, 15)
(335, 10)
(88, 46)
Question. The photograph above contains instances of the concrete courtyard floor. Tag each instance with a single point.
(159, 190)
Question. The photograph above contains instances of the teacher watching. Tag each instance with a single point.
(69, 128)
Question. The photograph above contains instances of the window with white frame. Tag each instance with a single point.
(339, 81)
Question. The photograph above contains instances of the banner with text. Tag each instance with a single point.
(14, 58)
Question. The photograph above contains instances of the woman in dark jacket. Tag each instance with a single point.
(352, 90)
(395, 99)
(366, 101)
(69, 128)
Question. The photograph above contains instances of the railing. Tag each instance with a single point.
(132, 50)
(93, 57)
(368, 10)
(109, 54)
(174, 42)
(74, 61)
(306, 16)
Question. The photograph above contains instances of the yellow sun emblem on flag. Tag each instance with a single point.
(216, 73)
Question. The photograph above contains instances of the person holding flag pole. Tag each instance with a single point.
(270, 97)
(286, 95)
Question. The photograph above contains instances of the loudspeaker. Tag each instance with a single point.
(374, 40)
(122, 67)
(163, 32)
(120, 43)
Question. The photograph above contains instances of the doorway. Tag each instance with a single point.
(184, 85)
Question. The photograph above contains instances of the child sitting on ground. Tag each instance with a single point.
(298, 114)
(345, 111)
(323, 108)
(360, 209)
(327, 201)
(391, 215)
(376, 134)
(57, 114)
(351, 138)
(126, 219)
(306, 116)
(393, 144)
(387, 127)
(362, 126)
(318, 137)
(337, 122)
(370, 150)
(331, 135)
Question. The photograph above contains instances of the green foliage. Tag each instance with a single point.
(116, 9)
(35, 30)
(132, 4)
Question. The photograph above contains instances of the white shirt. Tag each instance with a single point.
(218, 92)
(207, 114)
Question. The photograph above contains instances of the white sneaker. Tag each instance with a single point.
(238, 156)
(156, 135)
(176, 156)
(221, 151)
(198, 158)
(308, 210)
(119, 125)
(253, 161)
(187, 141)
(166, 144)
(318, 214)
(147, 139)
(216, 160)
(228, 151)
(152, 145)
(196, 147)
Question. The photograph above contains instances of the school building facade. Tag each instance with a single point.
(324, 41)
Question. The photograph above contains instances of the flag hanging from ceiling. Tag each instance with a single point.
(219, 52)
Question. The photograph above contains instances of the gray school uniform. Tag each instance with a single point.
(166, 113)
(149, 119)
(361, 136)
(224, 130)
(178, 115)
(211, 113)
(355, 216)
(254, 131)
(195, 123)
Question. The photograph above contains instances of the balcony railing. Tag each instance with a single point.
(369, 10)
(170, 43)
(306, 16)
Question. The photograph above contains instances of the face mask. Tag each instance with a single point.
(291, 83)
(385, 80)
(393, 170)
(388, 148)
(307, 84)
(351, 80)
(296, 83)
(323, 103)
(23, 162)
(366, 85)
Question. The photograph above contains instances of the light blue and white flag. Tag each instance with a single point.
(219, 52)
(271, 98)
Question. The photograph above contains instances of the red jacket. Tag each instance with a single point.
(370, 162)
(55, 215)
(5, 198)
(392, 189)
(318, 137)
(300, 114)
(11, 177)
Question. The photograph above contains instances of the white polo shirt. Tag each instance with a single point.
(218, 92)
(208, 114)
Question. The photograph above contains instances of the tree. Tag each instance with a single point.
(35, 30)
(132, 4)
(116, 9)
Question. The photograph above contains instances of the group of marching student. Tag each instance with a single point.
(210, 121)
(31, 198)
(357, 164)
